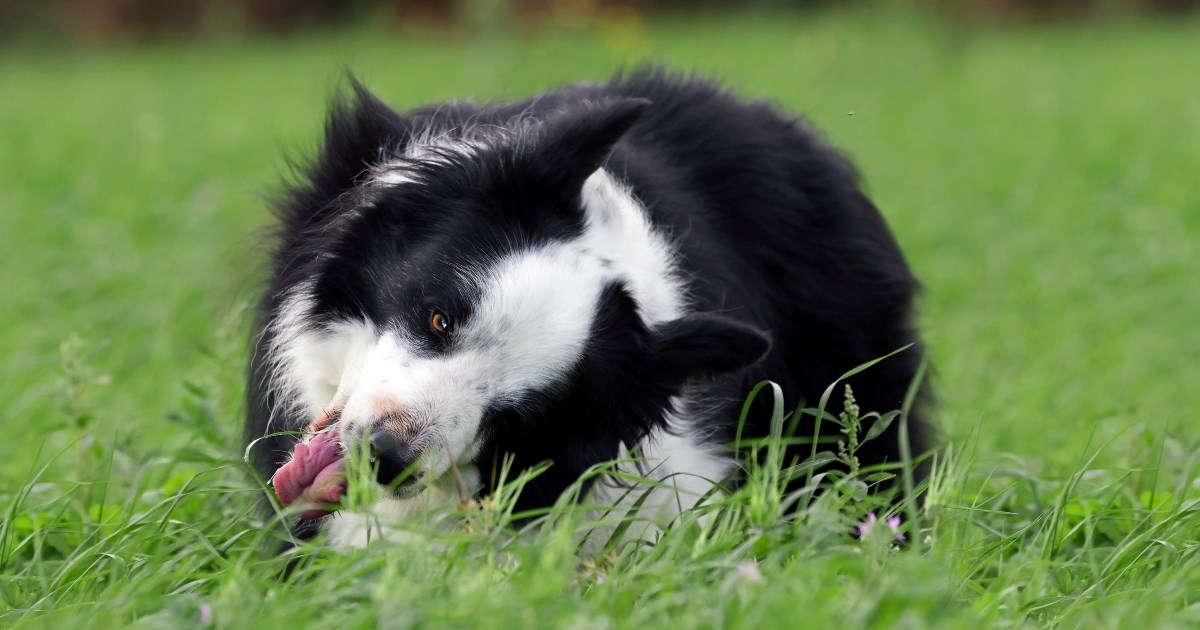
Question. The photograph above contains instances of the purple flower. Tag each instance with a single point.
(206, 613)
(749, 571)
(893, 523)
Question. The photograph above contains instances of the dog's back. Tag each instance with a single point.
(773, 229)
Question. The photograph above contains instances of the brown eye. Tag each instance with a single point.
(439, 322)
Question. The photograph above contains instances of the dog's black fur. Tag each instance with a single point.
(791, 273)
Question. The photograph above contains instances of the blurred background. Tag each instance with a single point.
(92, 20)
(1036, 159)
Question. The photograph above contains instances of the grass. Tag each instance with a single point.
(1040, 178)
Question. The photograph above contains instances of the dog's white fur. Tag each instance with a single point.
(529, 329)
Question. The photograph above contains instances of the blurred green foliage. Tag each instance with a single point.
(109, 19)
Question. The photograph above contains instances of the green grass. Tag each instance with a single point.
(1040, 178)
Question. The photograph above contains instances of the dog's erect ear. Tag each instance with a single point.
(703, 344)
(579, 139)
(360, 128)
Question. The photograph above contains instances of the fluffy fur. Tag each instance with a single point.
(619, 264)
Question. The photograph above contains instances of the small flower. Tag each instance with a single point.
(893, 523)
(206, 615)
(749, 571)
(600, 579)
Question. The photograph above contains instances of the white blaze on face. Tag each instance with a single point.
(526, 333)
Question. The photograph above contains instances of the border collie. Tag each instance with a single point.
(600, 271)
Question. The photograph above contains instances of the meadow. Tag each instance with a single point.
(1042, 180)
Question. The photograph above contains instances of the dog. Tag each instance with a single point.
(601, 271)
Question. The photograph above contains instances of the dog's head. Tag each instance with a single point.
(451, 293)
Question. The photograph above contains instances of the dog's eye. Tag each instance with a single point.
(439, 322)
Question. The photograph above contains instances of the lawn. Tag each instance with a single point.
(1041, 178)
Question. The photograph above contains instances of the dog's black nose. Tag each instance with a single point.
(393, 457)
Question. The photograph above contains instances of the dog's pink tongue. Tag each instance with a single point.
(314, 476)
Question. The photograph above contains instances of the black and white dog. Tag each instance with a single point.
(600, 271)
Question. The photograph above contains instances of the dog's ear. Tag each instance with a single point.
(704, 344)
(359, 129)
(577, 140)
